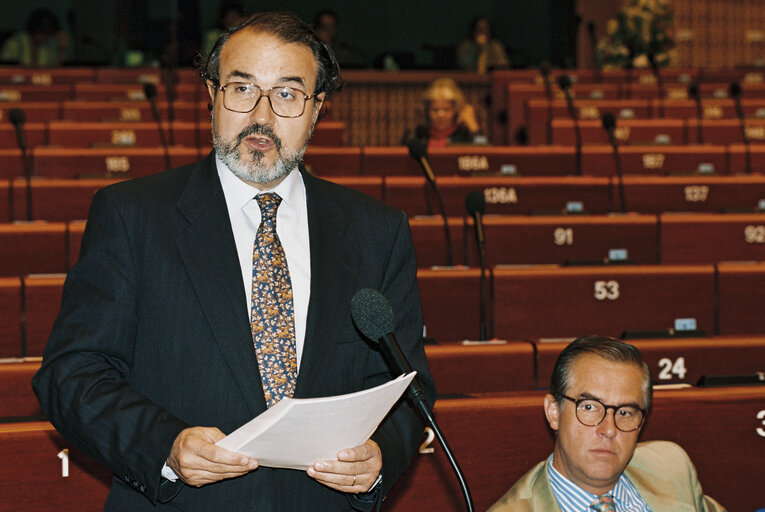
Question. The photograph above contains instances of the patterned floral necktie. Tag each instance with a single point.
(272, 316)
(604, 503)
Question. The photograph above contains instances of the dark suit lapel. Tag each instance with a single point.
(209, 253)
(333, 273)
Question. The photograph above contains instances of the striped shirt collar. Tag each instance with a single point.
(573, 498)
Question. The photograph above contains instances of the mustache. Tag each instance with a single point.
(259, 129)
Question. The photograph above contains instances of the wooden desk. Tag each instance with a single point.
(32, 248)
(711, 238)
(554, 302)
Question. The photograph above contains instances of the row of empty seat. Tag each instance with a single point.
(469, 161)
(672, 238)
(81, 134)
(528, 302)
(55, 199)
(496, 439)
(492, 367)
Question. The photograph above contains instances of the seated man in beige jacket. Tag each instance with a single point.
(599, 396)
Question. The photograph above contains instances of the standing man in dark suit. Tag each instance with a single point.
(185, 316)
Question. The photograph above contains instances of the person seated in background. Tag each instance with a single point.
(600, 394)
(479, 51)
(448, 118)
(42, 44)
(231, 14)
(325, 24)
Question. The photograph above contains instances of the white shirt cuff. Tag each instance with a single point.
(168, 473)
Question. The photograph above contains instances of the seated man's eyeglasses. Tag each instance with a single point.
(244, 97)
(591, 412)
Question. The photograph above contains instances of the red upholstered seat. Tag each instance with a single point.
(10, 317)
(741, 294)
(18, 399)
(677, 360)
(327, 161)
(42, 300)
(540, 302)
(32, 248)
(71, 134)
(56, 199)
(711, 238)
(658, 194)
(628, 131)
(503, 194)
(115, 162)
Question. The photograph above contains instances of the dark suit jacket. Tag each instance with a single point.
(153, 336)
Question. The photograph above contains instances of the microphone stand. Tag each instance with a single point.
(373, 316)
(693, 92)
(150, 91)
(418, 151)
(609, 123)
(18, 117)
(659, 82)
(564, 81)
(735, 93)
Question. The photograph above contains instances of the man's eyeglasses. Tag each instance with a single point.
(243, 97)
(591, 412)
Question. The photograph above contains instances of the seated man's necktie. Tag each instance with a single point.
(604, 503)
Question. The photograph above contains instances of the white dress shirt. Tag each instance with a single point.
(292, 228)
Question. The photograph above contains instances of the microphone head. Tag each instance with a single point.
(545, 67)
(564, 81)
(475, 202)
(149, 90)
(693, 91)
(17, 116)
(609, 121)
(734, 90)
(372, 313)
(418, 148)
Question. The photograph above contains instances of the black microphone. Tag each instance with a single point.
(734, 91)
(475, 203)
(18, 118)
(544, 69)
(418, 149)
(373, 315)
(609, 125)
(693, 92)
(564, 82)
(150, 91)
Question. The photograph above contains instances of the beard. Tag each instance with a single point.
(255, 170)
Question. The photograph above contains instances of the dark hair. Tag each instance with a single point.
(474, 26)
(43, 21)
(324, 12)
(288, 28)
(608, 348)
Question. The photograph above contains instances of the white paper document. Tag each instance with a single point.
(296, 432)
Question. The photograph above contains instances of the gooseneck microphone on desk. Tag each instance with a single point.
(475, 203)
(18, 118)
(659, 81)
(418, 149)
(373, 315)
(693, 92)
(735, 92)
(150, 91)
(609, 125)
(564, 82)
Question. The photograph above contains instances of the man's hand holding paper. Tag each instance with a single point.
(355, 469)
(198, 461)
